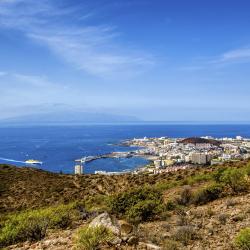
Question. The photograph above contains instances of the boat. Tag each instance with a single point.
(34, 162)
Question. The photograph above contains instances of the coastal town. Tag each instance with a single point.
(171, 154)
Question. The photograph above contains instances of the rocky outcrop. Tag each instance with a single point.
(105, 220)
(123, 231)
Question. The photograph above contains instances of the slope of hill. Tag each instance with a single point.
(197, 140)
(200, 208)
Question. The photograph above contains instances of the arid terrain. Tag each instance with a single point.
(200, 208)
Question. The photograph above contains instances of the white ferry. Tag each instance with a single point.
(34, 162)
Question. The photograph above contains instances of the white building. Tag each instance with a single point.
(200, 158)
(78, 169)
(239, 138)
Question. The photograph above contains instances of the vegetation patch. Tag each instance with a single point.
(242, 240)
(138, 205)
(32, 225)
(233, 178)
(207, 194)
(91, 238)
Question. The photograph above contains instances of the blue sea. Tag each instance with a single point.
(58, 146)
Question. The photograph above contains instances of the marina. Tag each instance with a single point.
(88, 159)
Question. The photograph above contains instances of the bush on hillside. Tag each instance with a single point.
(138, 204)
(90, 238)
(235, 179)
(25, 226)
(33, 225)
(143, 211)
(207, 194)
(217, 175)
(242, 240)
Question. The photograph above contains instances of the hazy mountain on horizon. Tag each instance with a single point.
(67, 117)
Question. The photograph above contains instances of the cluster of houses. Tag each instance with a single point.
(170, 154)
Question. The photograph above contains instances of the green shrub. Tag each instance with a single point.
(217, 175)
(242, 240)
(90, 238)
(32, 225)
(143, 211)
(25, 226)
(62, 216)
(138, 204)
(207, 194)
(235, 179)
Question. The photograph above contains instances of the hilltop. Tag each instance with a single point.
(199, 208)
(198, 140)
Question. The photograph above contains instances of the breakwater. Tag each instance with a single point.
(109, 155)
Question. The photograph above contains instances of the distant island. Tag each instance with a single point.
(68, 118)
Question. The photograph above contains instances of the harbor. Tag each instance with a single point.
(80, 163)
(87, 159)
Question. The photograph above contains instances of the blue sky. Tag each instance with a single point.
(157, 60)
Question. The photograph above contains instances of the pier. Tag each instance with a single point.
(88, 159)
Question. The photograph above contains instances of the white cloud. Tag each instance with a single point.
(241, 55)
(234, 56)
(92, 49)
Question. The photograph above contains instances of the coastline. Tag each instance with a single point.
(58, 152)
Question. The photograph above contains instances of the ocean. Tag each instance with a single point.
(58, 146)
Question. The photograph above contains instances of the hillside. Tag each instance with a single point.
(198, 140)
(200, 208)
(23, 188)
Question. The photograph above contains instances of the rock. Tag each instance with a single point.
(133, 240)
(126, 228)
(105, 220)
